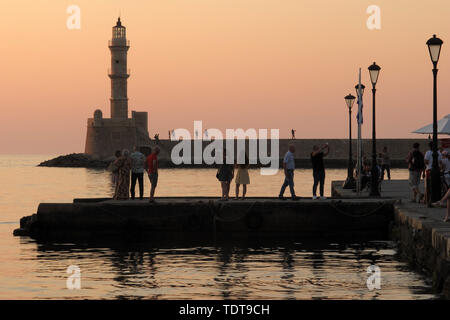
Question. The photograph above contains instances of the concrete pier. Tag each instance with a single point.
(423, 237)
(209, 218)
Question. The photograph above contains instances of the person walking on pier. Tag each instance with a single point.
(225, 174)
(137, 172)
(289, 167)
(152, 170)
(123, 165)
(319, 169)
(242, 177)
(416, 167)
(293, 134)
(385, 163)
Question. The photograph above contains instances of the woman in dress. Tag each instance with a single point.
(242, 177)
(225, 174)
(123, 165)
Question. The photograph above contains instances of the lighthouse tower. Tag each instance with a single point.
(118, 73)
(106, 135)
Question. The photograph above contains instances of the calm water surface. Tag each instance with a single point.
(258, 271)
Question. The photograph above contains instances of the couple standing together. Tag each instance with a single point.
(317, 155)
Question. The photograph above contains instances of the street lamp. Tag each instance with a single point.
(374, 71)
(350, 182)
(434, 47)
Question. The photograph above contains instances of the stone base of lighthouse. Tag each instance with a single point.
(105, 136)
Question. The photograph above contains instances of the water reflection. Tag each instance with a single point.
(296, 271)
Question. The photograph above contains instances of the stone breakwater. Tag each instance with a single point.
(75, 160)
(337, 158)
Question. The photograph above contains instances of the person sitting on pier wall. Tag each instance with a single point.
(444, 201)
(416, 167)
(225, 174)
(123, 186)
(152, 170)
(242, 177)
(137, 172)
(446, 166)
(289, 167)
(318, 168)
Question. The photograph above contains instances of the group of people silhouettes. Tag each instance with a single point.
(134, 165)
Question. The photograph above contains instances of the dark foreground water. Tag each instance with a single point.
(303, 270)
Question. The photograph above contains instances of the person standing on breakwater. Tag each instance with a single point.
(225, 174)
(289, 167)
(318, 168)
(123, 186)
(385, 163)
(242, 177)
(137, 172)
(446, 166)
(416, 167)
(152, 170)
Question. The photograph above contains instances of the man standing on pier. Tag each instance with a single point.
(152, 170)
(318, 168)
(416, 166)
(289, 167)
(137, 172)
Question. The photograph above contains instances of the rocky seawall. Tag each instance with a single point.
(75, 160)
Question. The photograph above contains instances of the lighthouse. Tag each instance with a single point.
(118, 74)
(107, 135)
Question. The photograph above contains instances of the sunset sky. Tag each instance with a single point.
(231, 63)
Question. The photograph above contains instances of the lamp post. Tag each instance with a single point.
(434, 47)
(350, 182)
(374, 71)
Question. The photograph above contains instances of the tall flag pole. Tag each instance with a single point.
(359, 118)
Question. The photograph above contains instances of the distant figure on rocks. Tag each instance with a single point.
(123, 186)
(196, 134)
(416, 167)
(152, 170)
(318, 168)
(242, 177)
(289, 167)
(173, 134)
(206, 133)
(385, 163)
(169, 134)
(225, 174)
(293, 133)
(137, 172)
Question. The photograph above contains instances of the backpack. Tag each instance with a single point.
(417, 161)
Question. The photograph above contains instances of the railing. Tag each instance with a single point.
(118, 43)
(110, 73)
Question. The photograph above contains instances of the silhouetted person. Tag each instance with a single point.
(288, 167)
(225, 174)
(123, 185)
(242, 177)
(137, 172)
(293, 133)
(318, 168)
(152, 170)
(416, 167)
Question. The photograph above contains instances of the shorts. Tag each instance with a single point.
(153, 179)
(414, 179)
